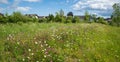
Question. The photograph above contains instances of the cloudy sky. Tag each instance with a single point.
(45, 7)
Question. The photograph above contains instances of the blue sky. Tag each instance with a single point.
(45, 7)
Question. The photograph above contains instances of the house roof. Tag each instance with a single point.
(108, 19)
(31, 15)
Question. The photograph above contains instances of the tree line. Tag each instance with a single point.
(17, 17)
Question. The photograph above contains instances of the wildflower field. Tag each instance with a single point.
(58, 42)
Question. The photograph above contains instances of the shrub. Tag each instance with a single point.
(58, 18)
(116, 14)
(16, 17)
(2, 19)
(70, 14)
(116, 21)
(69, 19)
(41, 20)
(76, 19)
(35, 20)
(50, 18)
(101, 20)
(87, 16)
(63, 19)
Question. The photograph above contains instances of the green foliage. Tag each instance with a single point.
(17, 17)
(50, 18)
(61, 13)
(94, 17)
(41, 20)
(76, 19)
(69, 19)
(2, 19)
(100, 19)
(116, 14)
(63, 19)
(58, 18)
(35, 19)
(70, 14)
(87, 17)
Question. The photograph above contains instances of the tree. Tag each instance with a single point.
(69, 19)
(2, 19)
(63, 18)
(101, 20)
(94, 17)
(16, 17)
(87, 16)
(61, 13)
(70, 14)
(19, 17)
(76, 19)
(50, 18)
(60, 16)
(116, 14)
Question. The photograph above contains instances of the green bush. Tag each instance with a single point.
(50, 18)
(116, 21)
(87, 16)
(101, 20)
(116, 14)
(2, 19)
(18, 17)
(63, 19)
(41, 20)
(69, 19)
(76, 19)
(58, 18)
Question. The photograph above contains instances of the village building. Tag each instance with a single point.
(32, 15)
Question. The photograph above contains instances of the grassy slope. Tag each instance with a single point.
(59, 42)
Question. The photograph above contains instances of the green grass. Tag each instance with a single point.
(57, 42)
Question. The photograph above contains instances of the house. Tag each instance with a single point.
(32, 15)
(40, 17)
(108, 19)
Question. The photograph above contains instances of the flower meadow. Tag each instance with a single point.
(58, 42)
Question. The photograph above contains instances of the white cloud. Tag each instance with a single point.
(4, 1)
(32, 0)
(22, 8)
(94, 5)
